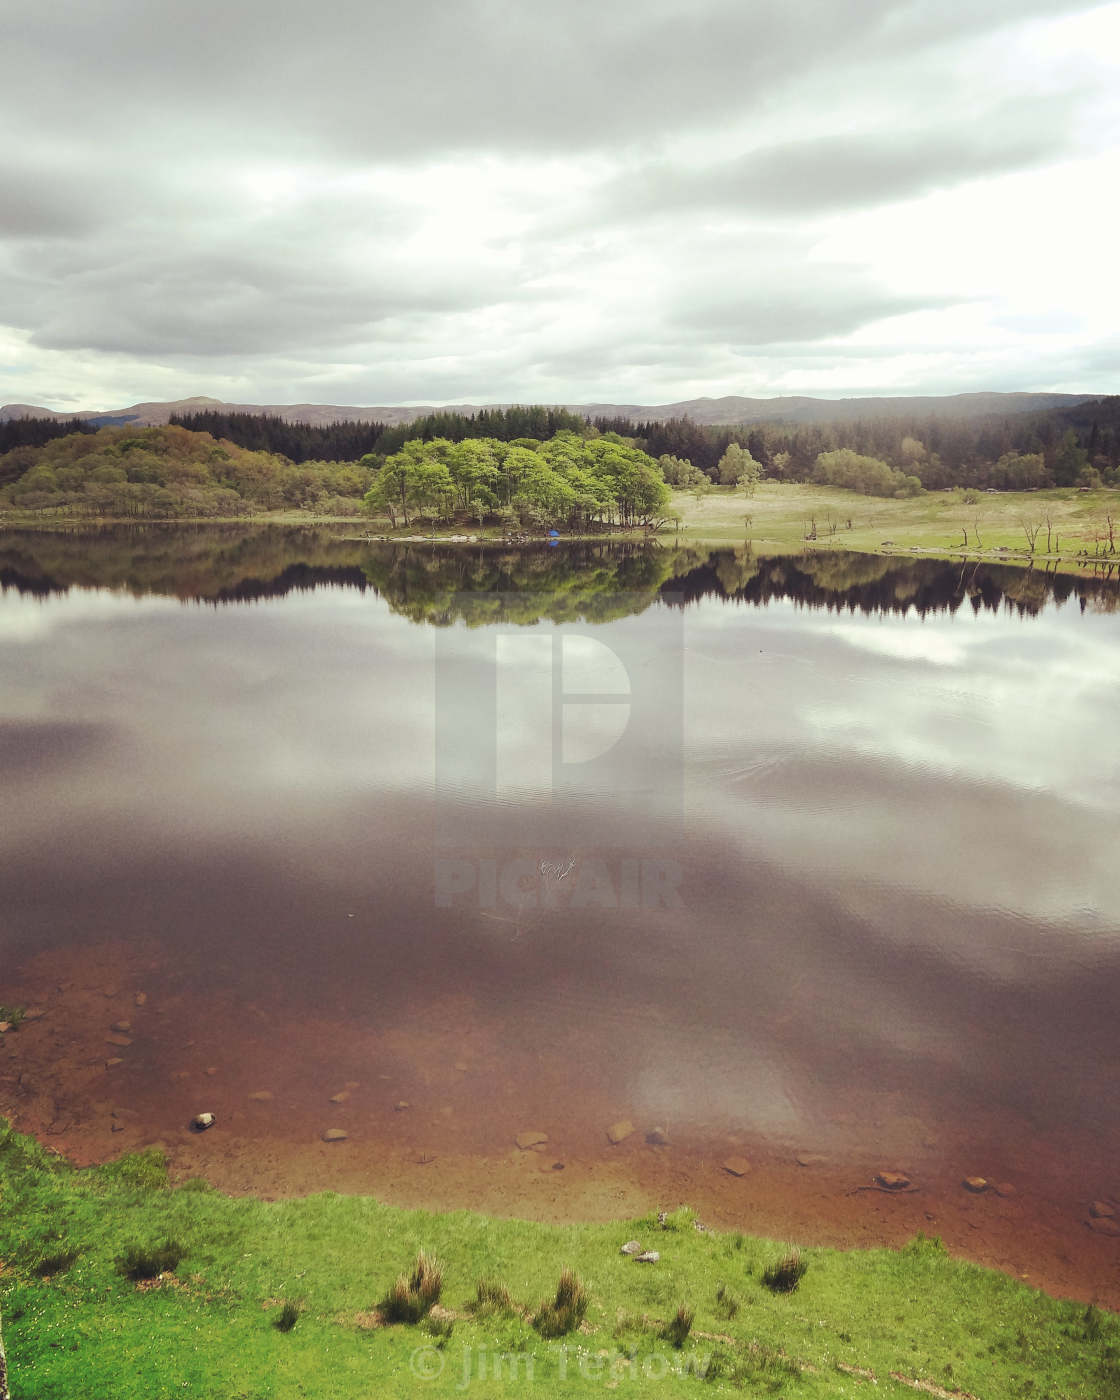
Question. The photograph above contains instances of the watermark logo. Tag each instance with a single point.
(481, 1364)
(559, 759)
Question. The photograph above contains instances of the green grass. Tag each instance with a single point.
(86, 1331)
(782, 515)
(13, 1015)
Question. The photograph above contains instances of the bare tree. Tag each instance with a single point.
(1031, 531)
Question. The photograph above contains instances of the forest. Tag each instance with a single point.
(527, 467)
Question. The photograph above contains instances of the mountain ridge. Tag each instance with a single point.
(724, 410)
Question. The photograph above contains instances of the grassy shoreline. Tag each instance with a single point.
(869, 1322)
(1060, 528)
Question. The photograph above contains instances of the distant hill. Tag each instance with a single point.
(727, 410)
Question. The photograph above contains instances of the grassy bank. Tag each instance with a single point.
(782, 516)
(880, 1322)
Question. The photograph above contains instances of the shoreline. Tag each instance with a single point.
(451, 1147)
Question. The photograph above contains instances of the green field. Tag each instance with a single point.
(868, 1323)
(784, 516)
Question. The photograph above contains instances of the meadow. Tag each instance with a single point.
(255, 1300)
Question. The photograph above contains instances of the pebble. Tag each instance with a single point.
(34, 1013)
(651, 1256)
(121, 1040)
(620, 1131)
(811, 1159)
(1101, 1210)
(1104, 1225)
(112, 1063)
(5, 1026)
(340, 1097)
(335, 1135)
(461, 1066)
(737, 1166)
(401, 1105)
(260, 1096)
(657, 1137)
(122, 1026)
(530, 1137)
(211, 1072)
(140, 999)
(893, 1181)
(201, 1121)
(1004, 1188)
(976, 1184)
(631, 1247)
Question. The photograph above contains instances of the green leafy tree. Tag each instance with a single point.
(738, 468)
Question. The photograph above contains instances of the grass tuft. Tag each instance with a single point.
(492, 1297)
(13, 1015)
(728, 1302)
(786, 1273)
(412, 1297)
(566, 1311)
(140, 1262)
(288, 1317)
(676, 1330)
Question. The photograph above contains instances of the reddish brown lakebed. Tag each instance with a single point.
(782, 862)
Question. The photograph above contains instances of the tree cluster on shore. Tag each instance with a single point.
(579, 482)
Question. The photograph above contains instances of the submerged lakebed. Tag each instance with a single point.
(808, 858)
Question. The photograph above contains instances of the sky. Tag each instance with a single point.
(626, 201)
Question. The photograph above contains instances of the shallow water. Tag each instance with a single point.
(785, 855)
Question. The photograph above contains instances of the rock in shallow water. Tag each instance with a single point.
(892, 1181)
(620, 1131)
(530, 1137)
(201, 1121)
(335, 1135)
(737, 1166)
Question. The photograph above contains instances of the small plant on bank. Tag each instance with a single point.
(139, 1262)
(57, 1262)
(13, 1015)
(491, 1297)
(676, 1330)
(413, 1296)
(729, 1302)
(287, 1318)
(784, 1275)
(566, 1311)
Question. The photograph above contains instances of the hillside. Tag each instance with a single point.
(727, 410)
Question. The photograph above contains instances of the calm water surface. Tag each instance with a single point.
(816, 852)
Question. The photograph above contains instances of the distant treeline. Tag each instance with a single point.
(34, 432)
(299, 442)
(349, 442)
(1079, 445)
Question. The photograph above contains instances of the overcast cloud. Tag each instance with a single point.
(612, 200)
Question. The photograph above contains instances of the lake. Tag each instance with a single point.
(761, 858)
